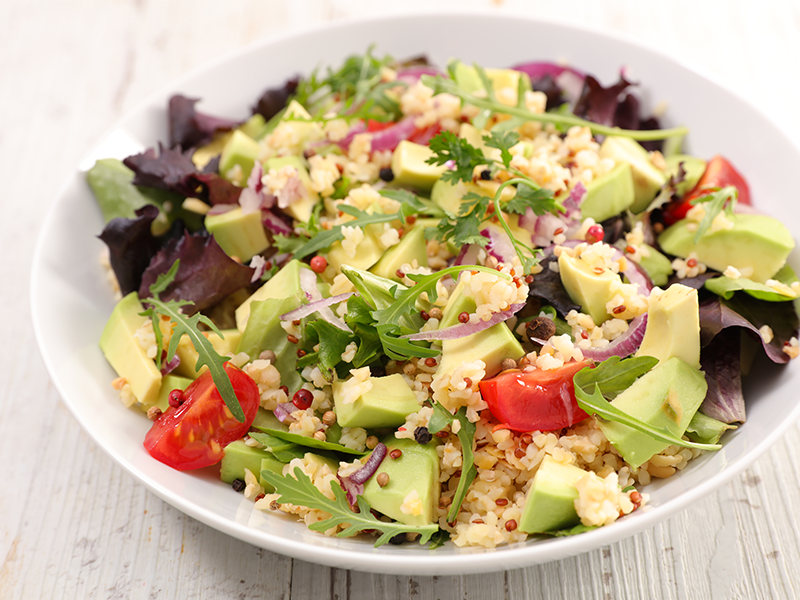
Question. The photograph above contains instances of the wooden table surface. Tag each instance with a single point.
(74, 525)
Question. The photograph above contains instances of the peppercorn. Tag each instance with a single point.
(318, 264)
(176, 398)
(238, 485)
(153, 413)
(372, 441)
(422, 435)
(486, 175)
(508, 363)
(329, 418)
(268, 355)
(595, 234)
(540, 328)
(302, 399)
(382, 479)
(463, 317)
(320, 436)
(395, 454)
(435, 313)
(398, 539)
(386, 174)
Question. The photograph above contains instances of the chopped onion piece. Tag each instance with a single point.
(308, 283)
(373, 462)
(463, 330)
(624, 345)
(283, 412)
(316, 306)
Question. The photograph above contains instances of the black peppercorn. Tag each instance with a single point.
(422, 435)
(386, 174)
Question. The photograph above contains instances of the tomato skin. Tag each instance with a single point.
(194, 434)
(719, 173)
(426, 134)
(535, 400)
(373, 125)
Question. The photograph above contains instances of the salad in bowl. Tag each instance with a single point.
(429, 304)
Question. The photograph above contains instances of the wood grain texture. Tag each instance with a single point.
(74, 525)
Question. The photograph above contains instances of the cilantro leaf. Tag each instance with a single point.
(300, 491)
(189, 326)
(446, 146)
(540, 200)
(503, 141)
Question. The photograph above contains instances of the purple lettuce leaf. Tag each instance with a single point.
(189, 128)
(599, 104)
(172, 170)
(744, 311)
(720, 361)
(695, 283)
(131, 246)
(547, 286)
(548, 86)
(273, 100)
(206, 274)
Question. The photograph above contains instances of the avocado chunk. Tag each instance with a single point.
(666, 397)
(550, 501)
(409, 166)
(412, 246)
(673, 326)
(168, 383)
(589, 289)
(647, 178)
(693, 167)
(416, 470)
(238, 456)
(238, 234)
(658, 266)
(449, 195)
(188, 355)
(302, 208)
(123, 351)
(467, 79)
(490, 345)
(284, 283)
(240, 150)
(609, 194)
(264, 332)
(368, 252)
(757, 245)
(266, 419)
(385, 405)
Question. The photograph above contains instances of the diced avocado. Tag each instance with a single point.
(658, 266)
(241, 150)
(409, 166)
(385, 405)
(303, 208)
(204, 154)
(303, 126)
(368, 252)
(168, 383)
(123, 351)
(448, 195)
(285, 282)
(417, 469)
(666, 397)
(412, 246)
(266, 419)
(589, 289)
(647, 178)
(673, 326)
(223, 345)
(609, 194)
(694, 168)
(237, 457)
(550, 501)
(490, 345)
(273, 465)
(264, 332)
(253, 125)
(238, 234)
(757, 245)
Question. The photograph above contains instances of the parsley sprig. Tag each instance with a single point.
(207, 355)
(300, 491)
(441, 84)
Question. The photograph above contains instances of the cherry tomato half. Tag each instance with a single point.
(719, 173)
(535, 400)
(193, 435)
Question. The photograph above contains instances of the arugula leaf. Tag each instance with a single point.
(715, 202)
(446, 146)
(466, 435)
(300, 491)
(189, 326)
(310, 442)
(486, 82)
(561, 119)
(439, 539)
(579, 528)
(281, 449)
(705, 429)
(332, 343)
(612, 377)
(440, 418)
(503, 141)
(286, 244)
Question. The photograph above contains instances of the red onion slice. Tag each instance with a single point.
(499, 245)
(275, 224)
(624, 345)
(412, 75)
(468, 255)
(312, 307)
(252, 196)
(283, 412)
(389, 138)
(220, 209)
(463, 330)
(168, 367)
(353, 484)
(358, 127)
(308, 283)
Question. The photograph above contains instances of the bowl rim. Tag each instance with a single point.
(504, 557)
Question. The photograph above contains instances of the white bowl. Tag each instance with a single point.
(71, 299)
